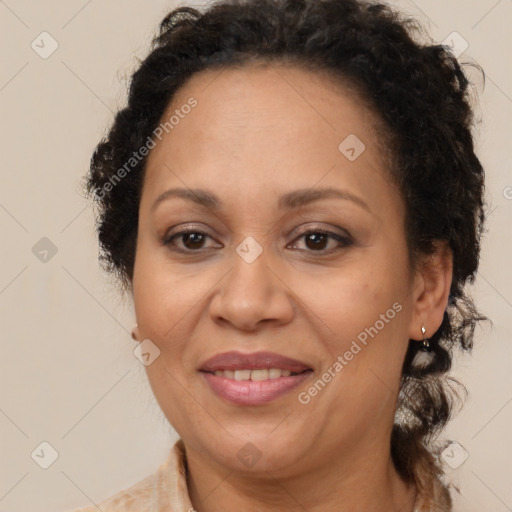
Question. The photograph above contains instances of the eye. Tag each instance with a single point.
(316, 240)
(191, 238)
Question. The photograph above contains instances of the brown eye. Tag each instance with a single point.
(318, 240)
(191, 240)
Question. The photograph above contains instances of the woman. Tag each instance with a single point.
(292, 198)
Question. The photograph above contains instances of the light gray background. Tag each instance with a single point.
(68, 375)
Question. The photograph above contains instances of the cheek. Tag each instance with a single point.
(351, 300)
(363, 313)
(163, 299)
(365, 354)
(162, 292)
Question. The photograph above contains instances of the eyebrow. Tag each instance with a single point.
(290, 200)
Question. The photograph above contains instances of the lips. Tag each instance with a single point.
(231, 376)
(256, 361)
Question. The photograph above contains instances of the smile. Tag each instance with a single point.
(241, 388)
(254, 375)
(253, 378)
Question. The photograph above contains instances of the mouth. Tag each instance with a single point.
(253, 379)
(256, 375)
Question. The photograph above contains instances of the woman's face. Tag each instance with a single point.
(257, 274)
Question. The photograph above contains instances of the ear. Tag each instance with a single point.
(135, 333)
(431, 288)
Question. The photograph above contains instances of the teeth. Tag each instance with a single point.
(272, 373)
(259, 375)
(242, 374)
(275, 373)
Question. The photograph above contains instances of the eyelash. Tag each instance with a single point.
(344, 241)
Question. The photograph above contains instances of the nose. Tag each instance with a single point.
(251, 294)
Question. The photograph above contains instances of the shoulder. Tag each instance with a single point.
(151, 494)
(136, 498)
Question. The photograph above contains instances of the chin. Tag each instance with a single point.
(254, 450)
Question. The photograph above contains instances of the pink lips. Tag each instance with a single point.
(255, 361)
(247, 392)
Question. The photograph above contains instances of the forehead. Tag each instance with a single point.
(262, 126)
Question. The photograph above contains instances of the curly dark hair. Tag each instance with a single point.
(418, 90)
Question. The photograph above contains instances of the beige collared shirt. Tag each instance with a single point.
(166, 491)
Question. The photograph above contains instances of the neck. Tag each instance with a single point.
(345, 483)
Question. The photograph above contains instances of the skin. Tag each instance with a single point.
(256, 133)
